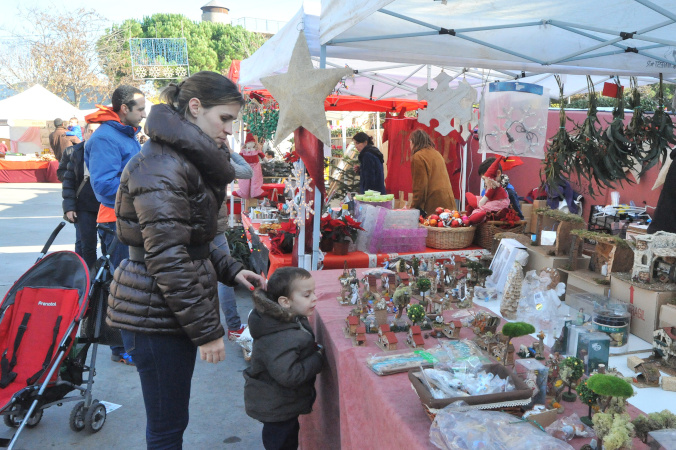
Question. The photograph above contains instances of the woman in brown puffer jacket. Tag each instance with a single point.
(163, 298)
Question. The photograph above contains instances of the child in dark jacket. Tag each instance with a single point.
(285, 358)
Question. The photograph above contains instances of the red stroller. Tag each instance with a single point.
(41, 358)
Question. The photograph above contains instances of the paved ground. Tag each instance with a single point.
(28, 214)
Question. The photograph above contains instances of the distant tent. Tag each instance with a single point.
(37, 103)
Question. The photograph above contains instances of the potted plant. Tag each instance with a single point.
(570, 371)
(339, 232)
(588, 397)
(416, 313)
(515, 329)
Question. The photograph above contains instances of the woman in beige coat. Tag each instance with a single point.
(431, 184)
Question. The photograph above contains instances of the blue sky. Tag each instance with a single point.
(117, 11)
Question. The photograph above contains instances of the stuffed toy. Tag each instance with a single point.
(251, 153)
(494, 199)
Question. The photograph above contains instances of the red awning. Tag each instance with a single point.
(353, 103)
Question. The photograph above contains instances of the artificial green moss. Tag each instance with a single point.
(516, 329)
(609, 386)
(561, 216)
(600, 237)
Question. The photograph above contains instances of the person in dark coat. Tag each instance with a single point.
(80, 205)
(59, 141)
(285, 360)
(371, 173)
(164, 298)
(664, 218)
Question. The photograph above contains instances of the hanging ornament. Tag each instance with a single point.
(298, 195)
(301, 92)
(445, 103)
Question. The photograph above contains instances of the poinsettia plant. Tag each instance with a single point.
(338, 230)
(292, 156)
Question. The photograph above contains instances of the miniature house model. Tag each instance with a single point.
(389, 341)
(453, 329)
(664, 343)
(361, 335)
(655, 252)
(403, 278)
(352, 324)
(415, 338)
(382, 330)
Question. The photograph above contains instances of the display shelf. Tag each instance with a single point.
(539, 258)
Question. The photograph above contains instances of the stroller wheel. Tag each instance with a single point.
(77, 417)
(13, 421)
(95, 416)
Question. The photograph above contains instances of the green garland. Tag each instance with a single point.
(562, 216)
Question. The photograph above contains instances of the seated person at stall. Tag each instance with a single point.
(504, 181)
(495, 198)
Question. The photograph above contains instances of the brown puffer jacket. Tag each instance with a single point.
(168, 200)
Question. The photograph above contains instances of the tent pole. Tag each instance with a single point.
(377, 128)
(318, 196)
(463, 185)
(301, 217)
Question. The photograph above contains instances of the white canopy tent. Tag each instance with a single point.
(604, 37)
(37, 104)
(395, 46)
(378, 77)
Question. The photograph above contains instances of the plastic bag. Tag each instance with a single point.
(457, 428)
(566, 428)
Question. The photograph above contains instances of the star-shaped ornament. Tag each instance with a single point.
(301, 92)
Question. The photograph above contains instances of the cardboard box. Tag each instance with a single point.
(527, 211)
(668, 315)
(645, 304)
(538, 259)
(583, 280)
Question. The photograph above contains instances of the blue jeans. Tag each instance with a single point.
(120, 252)
(165, 364)
(85, 236)
(226, 296)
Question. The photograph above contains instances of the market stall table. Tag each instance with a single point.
(358, 259)
(28, 171)
(355, 408)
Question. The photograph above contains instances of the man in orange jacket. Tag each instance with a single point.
(106, 154)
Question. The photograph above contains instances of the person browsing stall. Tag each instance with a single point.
(431, 183)
(371, 172)
(164, 297)
(280, 382)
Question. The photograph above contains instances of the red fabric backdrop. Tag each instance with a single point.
(397, 132)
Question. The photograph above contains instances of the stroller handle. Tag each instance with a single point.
(50, 241)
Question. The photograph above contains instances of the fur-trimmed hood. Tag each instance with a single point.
(269, 317)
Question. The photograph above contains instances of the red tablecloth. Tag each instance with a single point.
(28, 171)
(355, 408)
(360, 259)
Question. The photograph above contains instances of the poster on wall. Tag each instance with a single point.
(513, 119)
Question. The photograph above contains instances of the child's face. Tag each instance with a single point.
(303, 300)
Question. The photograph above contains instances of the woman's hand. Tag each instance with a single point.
(213, 352)
(250, 280)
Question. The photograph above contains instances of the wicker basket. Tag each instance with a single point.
(487, 230)
(449, 238)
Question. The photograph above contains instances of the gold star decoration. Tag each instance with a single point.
(301, 92)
